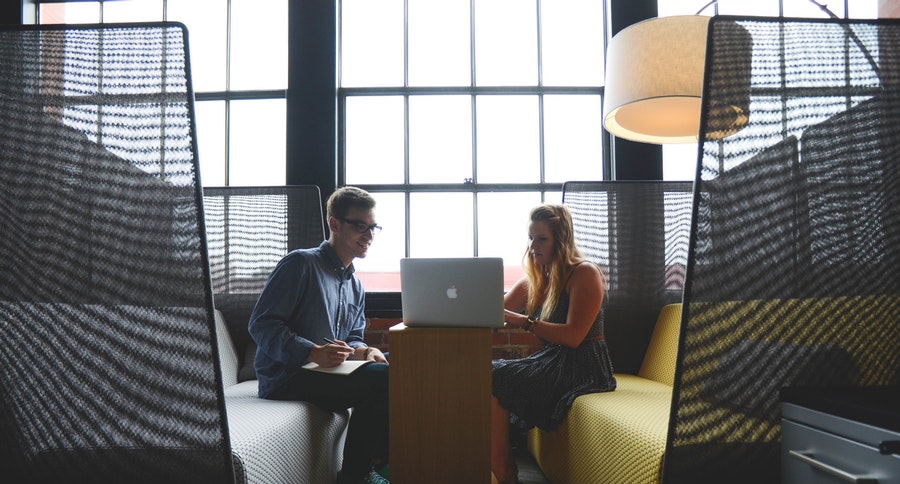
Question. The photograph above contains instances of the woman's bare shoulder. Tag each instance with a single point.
(586, 271)
(587, 267)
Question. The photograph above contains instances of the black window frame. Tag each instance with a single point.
(312, 104)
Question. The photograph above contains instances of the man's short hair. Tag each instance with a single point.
(343, 199)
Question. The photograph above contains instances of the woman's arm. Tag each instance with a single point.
(585, 298)
(514, 303)
(516, 298)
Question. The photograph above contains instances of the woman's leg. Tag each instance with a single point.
(502, 463)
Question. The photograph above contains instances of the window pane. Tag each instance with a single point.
(573, 149)
(508, 139)
(133, 11)
(210, 117)
(439, 43)
(807, 9)
(380, 270)
(257, 142)
(69, 13)
(667, 8)
(371, 43)
(758, 7)
(259, 42)
(572, 38)
(374, 146)
(440, 139)
(553, 197)
(441, 225)
(206, 21)
(505, 43)
(679, 161)
(503, 225)
(503, 229)
(865, 9)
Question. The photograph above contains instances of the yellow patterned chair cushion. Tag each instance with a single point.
(620, 436)
(662, 352)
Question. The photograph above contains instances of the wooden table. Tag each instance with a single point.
(440, 415)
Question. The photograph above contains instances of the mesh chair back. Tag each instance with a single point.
(108, 357)
(793, 268)
(249, 230)
(637, 231)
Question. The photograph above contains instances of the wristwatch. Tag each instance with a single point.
(529, 322)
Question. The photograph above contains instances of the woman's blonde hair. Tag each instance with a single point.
(551, 279)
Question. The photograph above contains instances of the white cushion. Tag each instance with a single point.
(228, 359)
(283, 441)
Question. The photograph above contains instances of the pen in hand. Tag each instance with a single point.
(341, 344)
(343, 356)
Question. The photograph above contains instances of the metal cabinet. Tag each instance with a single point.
(840, 435)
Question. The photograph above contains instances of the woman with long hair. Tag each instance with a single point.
(559, 300)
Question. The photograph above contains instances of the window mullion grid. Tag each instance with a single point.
(474, 92)
(540, 72)
(228, 90)
(406, 180)
(474, 170)
(474, 123)
(406, 190)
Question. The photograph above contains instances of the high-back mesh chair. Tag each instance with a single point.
(107, 347)
(249, 230)
(637, 231)
(794, 268)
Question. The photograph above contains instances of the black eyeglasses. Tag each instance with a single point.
(361, 227)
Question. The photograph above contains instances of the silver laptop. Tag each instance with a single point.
(452, 292)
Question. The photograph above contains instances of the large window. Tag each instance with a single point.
(458, 115)
(461, 115)
(238, 52)
(680, 160)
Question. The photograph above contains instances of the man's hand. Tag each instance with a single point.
(329, 355)
(373, 354)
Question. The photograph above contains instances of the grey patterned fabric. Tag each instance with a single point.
(107, 339)
(275, 442)
(228, 361)
(283, 442)
(637, 232)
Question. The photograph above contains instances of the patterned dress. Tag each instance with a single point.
(539, 390)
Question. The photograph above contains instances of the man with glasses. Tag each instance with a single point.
(311, 310)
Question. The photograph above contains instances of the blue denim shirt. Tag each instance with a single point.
(309, 296)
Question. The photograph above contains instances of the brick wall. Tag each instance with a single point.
(507, 343)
